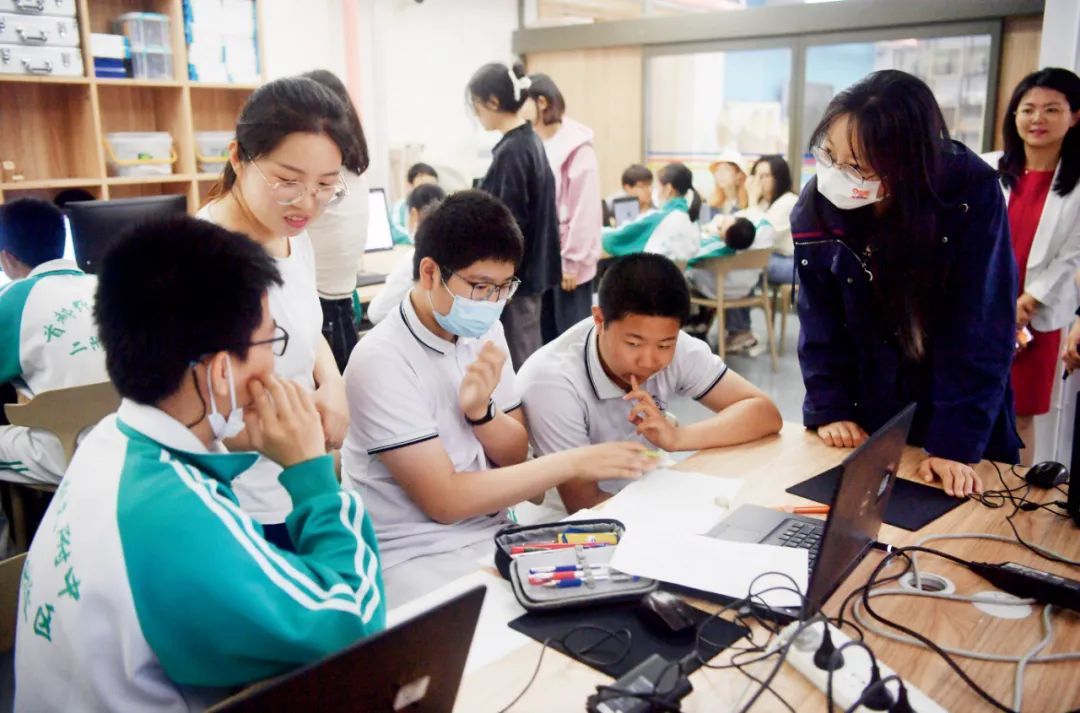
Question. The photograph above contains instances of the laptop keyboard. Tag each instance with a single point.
(796, 533)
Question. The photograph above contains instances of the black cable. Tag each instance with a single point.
(858, 590)
(770, 689)
(539, 660)
(947, 658)
(871, 689)
(1017, 506)
(829, 703)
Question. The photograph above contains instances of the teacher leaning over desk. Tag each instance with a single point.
(907, 283)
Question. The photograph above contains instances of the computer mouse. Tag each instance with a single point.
(1047, 474)
(666, 613)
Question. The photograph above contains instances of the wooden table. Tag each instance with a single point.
(769, 466)
(380, 261)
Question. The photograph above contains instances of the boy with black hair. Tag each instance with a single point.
(437, 441)
(419, 174)
(611, 377)
(637, 182)
(147, 587)
(47, 335)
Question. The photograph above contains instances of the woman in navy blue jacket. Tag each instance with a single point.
(907, 282)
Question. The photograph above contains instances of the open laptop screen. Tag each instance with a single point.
(378, 234)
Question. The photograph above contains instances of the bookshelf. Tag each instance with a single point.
(55, 126)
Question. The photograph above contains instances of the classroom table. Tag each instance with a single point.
(767, 467)
(379, 261)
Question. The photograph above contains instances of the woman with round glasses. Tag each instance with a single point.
(907, 282)
(1039, 170)
(284, 169)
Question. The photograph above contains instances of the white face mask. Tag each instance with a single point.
(843, 191)
(221, 426)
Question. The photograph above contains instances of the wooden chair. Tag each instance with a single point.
(10, 577)
(65, 413)
(783, 302)
(720, 267)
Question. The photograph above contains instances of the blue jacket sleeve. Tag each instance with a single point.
(974, 339)
(826, 352)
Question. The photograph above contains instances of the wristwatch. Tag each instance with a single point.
(489, 416)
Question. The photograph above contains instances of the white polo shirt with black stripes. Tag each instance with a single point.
(570, 400)
(402, 385)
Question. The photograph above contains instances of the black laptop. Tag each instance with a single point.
(415, 666)
(836, 545)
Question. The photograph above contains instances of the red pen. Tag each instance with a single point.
(545, 546)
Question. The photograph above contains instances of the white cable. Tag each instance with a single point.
(1018, 681)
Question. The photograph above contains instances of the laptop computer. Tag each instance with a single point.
(837, 545)
(379, 236)
(624, 209)
(415, 666)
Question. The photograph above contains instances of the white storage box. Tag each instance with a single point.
(140, 153)
(65, 8)
(38, 30)
(151, 65)
(42, 61)
(146, 30)
(212, 150)
(109, 46)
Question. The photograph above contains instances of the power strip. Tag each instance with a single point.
(850, 680)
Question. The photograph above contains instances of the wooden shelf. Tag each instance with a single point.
(108, 82)
(50, 183)
(38, 79)
(147, 180)
(57, 125)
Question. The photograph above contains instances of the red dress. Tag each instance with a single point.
(1033, 368)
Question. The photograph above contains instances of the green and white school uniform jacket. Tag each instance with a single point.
(48, 341)
(399, 223)
(148, 589)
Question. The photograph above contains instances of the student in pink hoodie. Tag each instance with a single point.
(569, 149)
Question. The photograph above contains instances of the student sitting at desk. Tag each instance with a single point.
(671, 231)
(437, 440)
(147, 588)
(419, 174)
(610, 377)
(637, 182)
(422, 201)
(48, 339)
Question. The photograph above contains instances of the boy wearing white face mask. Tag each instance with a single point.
(145, 531)
(437, 438)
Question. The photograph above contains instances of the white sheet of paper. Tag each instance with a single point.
(493, 639)
(712, 565)
(669, 500)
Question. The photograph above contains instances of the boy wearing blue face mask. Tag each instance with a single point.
(146, 533)
(437, 440)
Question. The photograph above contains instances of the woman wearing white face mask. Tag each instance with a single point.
(907, 282)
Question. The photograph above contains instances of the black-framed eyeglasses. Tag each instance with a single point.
(824, 156)
(485, 291)
(279, 342)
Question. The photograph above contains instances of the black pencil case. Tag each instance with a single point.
(599, 585)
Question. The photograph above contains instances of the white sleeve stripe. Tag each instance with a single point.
(369, 573)
(240, 527)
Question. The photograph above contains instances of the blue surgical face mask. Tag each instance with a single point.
(468, 318)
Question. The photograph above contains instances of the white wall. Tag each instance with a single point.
(417, 59)
(301, 36)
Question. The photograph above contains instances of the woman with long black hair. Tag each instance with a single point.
(1039, 170)
(907, 282)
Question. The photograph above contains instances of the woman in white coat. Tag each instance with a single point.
(1039, 171)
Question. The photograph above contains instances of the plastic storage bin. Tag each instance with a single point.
(146, 30)
(151, 64)
(140, 153)
(212, 150)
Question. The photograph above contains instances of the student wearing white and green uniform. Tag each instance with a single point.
(147, 587)
(671, 231)
(48, 339)
(419, 174)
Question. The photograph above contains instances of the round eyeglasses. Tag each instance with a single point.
(292, 192)
(823, 156)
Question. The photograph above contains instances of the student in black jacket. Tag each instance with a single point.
(521, 178)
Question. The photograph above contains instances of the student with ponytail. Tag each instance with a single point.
(520, 177)
(670, 231)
